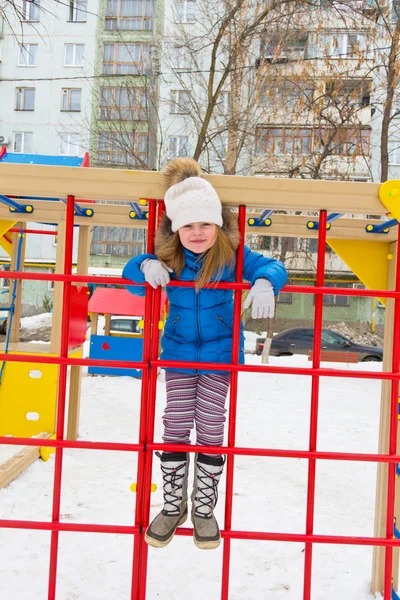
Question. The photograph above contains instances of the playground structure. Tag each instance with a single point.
(369, 247)
(107, 302)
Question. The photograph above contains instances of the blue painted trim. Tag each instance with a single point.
(262, 221)
(16, 207)
(137, 212)
(314, 225)
(42, 159)
(79, 211)
(382, 227)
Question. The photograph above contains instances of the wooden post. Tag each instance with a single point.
(55, 339)
(76, 372)
(107, 325)
(94, 324)
(378, 564)
(16, 320)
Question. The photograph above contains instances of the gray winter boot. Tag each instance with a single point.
(208, 471)
(174, 467)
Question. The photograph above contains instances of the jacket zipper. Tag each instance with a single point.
(224, 322)
(197, 328)
(175, 323)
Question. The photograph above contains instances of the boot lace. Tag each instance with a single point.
(208, 492)
(173, 477)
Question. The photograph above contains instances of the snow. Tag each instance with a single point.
(269, 495)
(36, 322)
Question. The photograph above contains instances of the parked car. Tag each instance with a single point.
(300, 341)
(125, 325)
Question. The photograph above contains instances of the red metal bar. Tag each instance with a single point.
(226, 556)
(144, 399)
(120, 364)
(34, 231)
(185, 531)
(394, 405)
(62, 390)
(151, 409)
(314, 403)
(235, 450)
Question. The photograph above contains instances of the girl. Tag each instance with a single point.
(197, 241)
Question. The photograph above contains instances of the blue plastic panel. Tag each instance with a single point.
(107, 347)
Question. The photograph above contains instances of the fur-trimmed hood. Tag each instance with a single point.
(229, 227)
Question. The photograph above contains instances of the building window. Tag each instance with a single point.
(284, 298)
(345, 142)
(31, 10)
(395, 11)
(178, 145)
(27, 56)
(125, 59)
(117, 241)
(283, 141)
(345, 45)
(50, 284)
(291, 50)
(185, 11)
(25, 99)
(221, 145)
(336, 300)
(70, 144)
(224, 103)
(350, 92)
(180, 100)
(23, 142)
(4, 281)
(127, 148)
(71, 99)
(123, 104)
(73, 55)
(129, 15)
(394, 152)
(77, 11)
(182, 59)
(286, 94)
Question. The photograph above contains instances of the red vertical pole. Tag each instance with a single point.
(226, 556)
(62, 389)
(319, 301)
(394, 404)
(144, 401)
(150, 429)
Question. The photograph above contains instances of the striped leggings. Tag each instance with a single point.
(196, 399)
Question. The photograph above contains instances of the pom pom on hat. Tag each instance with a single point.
(189, 197)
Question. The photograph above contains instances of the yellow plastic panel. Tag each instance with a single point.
(367, 259)
(389, 195)
(28, 399)
(4, 242)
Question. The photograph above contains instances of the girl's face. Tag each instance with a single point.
(198, 237)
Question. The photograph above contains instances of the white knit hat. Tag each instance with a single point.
(192, 199)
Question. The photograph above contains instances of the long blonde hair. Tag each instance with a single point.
(169, 249)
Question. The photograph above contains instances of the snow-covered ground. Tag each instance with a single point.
(270, 495)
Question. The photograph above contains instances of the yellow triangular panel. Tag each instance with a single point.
(389, 195)
(367, 259)
(6, 240)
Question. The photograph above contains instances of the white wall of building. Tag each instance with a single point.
(49, 76)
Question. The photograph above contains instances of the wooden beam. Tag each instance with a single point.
(55, 339)
(16, 320)
(378, 563)
(75, 380)
(107, 325)
(14, 466)
(125, 185)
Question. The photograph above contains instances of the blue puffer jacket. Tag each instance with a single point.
(199, 325)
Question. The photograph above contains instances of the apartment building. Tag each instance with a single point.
(46, 70)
